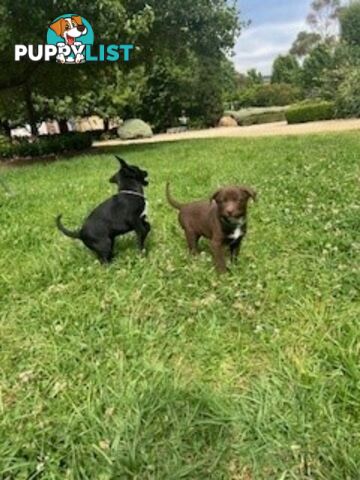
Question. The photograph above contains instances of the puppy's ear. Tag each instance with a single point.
(58, 27)
(216, 197)
(113, 179)
(77, 19)
(249, 191)
(122, 162)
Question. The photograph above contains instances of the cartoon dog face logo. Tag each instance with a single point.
(69, 28)
(70, 33)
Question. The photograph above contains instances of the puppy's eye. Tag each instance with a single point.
(74, 24)
(67, 27)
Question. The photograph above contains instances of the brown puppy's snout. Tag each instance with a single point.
(81, 28)
(230, 209)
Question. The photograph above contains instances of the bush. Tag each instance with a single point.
(280, 94)
(254, 116)
(134, 128)
(5, 145)
(46, 145)
(310, 112)
(348, 95)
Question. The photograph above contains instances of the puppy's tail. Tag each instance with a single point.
(65, 231)
(170, 199)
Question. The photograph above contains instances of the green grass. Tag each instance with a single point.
(156, 368)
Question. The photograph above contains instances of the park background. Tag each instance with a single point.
(188, 65)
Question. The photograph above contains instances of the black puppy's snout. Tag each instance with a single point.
(81, 28)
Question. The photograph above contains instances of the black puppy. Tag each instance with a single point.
(124, 212)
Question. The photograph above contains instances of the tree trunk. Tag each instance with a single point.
(5, 127)
(63, 125)
(106, 124)
(30, 110)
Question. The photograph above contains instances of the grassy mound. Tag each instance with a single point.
(258, 115)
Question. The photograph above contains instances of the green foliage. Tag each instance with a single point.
(169, 90)
(310, 112)
(114, 94)
(315, 67)
(286, 69)
(47, 145)
(36, 85)
(4, 141)
(348, 95)
(350, 23)
(5, 146)
(170, 38)
(229, 80)
(154, 368)
(269, 95)
(254, 77)
(191, 84)
(187, 69)
(304, 43)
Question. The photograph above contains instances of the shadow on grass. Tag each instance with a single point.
(158, 430)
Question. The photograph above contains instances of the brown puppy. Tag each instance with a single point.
(222, 220)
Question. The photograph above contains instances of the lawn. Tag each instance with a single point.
(156, 367)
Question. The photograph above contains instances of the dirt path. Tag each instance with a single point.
(269, 129)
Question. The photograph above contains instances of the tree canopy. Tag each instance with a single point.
(286, 69)
(350, 24)
(195, 34)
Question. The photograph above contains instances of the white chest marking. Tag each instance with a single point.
(238, 232)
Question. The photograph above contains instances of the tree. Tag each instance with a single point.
(304, 43)
(323, 18)
(48, 79)
(286, 69)
(189, 32)
(254, 77)
(173, 41)
(348, 95)
(350, 24)
(185, 61)
(229, 81)
(315, 68)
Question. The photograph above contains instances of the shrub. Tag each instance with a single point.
(5, 145)
(348, 95)
(280, 94)
(46, 145)
(310, 112)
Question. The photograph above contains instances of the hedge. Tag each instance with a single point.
(46, 145)
(310, 112)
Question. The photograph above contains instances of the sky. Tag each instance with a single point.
(274, 26)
